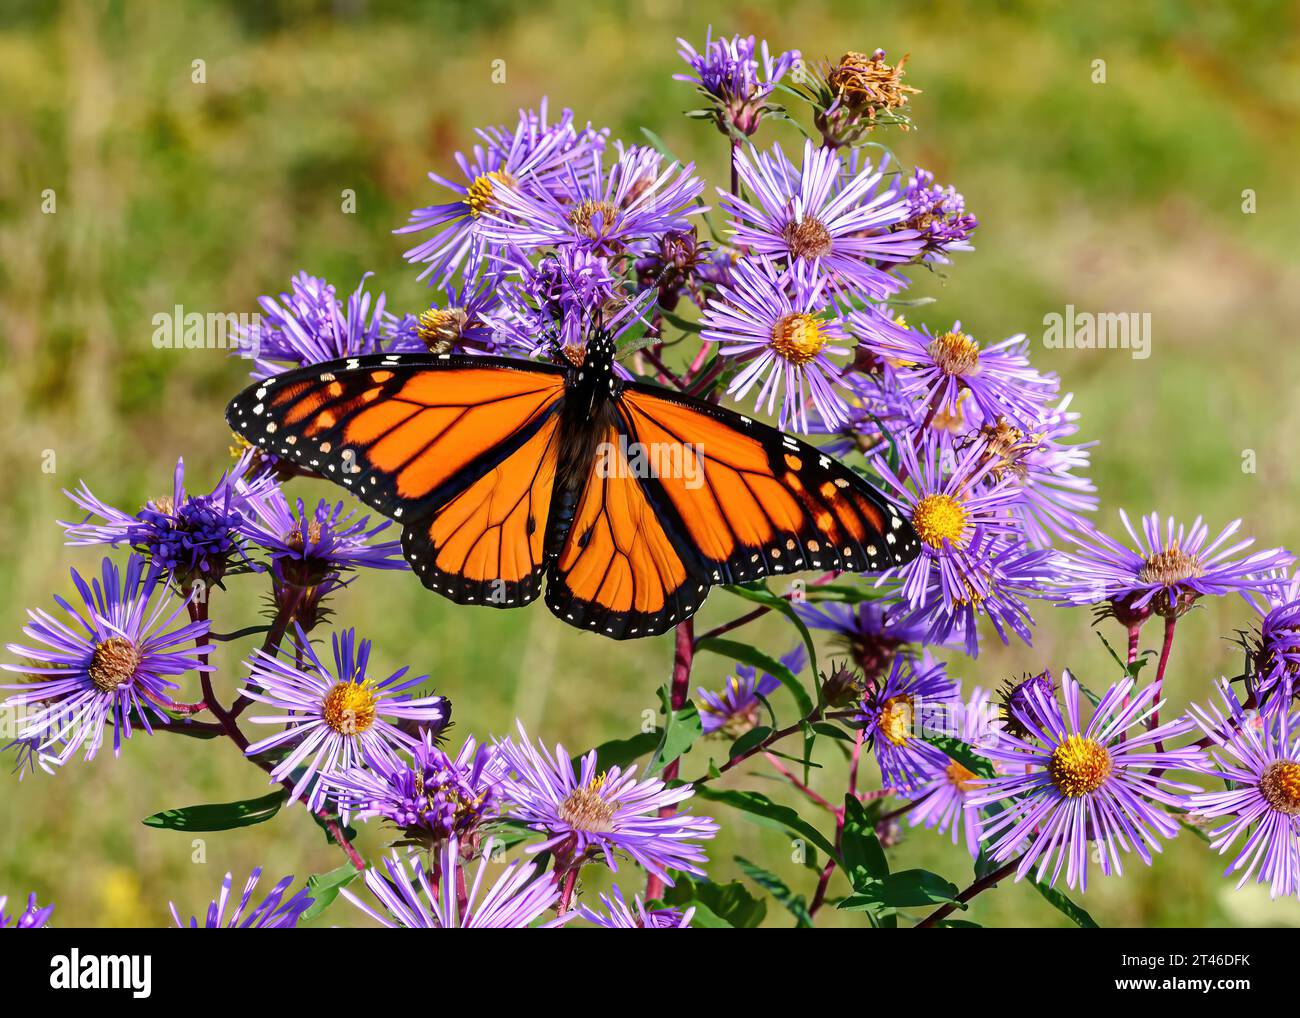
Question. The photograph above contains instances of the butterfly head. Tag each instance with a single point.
(599, 356)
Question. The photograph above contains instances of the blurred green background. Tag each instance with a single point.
(1122, 196)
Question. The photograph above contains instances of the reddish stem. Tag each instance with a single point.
(758, 613)
(982, 884)
(805, 789)
(1158, 685)
(226, 719)
(679, 692)
(823, 882)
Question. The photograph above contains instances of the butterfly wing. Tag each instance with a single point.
(686, 494)
(621, 571)
(760, 502)
(461, 450)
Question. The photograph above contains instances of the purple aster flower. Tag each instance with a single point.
(950, 505)
(434, 797)
(811, 217)
(309, 325)
(586, 815)
(1172, 567)
(1258, 758)
(618, 915)
(336, 719)
(863, 630)
(730, 73)
(193, 537)
(937, 370)
(1018, 698)
(1275, 655)
(943, 786)
(676, 263)
(548, 307)
(939, 215)
(105, 662)
(777, 321)
(530, 159)
(1043, 468)
(273, 913)
(916, 695)
(1077, 785)
(414, 899)
(311, 551)
(30, 756)
(735, 710)
(1001, 576)
(460, 322)
(604, 212)
(33, 917)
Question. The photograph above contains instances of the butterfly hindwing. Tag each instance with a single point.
(621, 572)
(486, 545)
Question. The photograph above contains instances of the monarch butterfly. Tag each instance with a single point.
(630, 499)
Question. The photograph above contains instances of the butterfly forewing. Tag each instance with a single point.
(756, 502)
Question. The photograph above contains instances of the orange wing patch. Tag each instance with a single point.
(760, 502)
(495, 529)
(618, 572)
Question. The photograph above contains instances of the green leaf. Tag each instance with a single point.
(775, 886)
(864, 857)
(220, 816)
(746, 654)
(760, 594)
(908, 889)
(681, 729)
(508, 833)
(349, 832)
(964, 753)
(621, 753)
(761, 810)
(325, 887)
(748, 741)
(1130, 670)
(678, 322)
(1066, 907)
(659, 144)
(717, 905)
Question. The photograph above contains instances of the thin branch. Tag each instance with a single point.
(982, 884)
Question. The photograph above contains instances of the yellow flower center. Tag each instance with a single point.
(1169, 567)
(584, 212)
(808, 238)
(1280, 785)
(113, 664)
(350, 708)
(1079, 766)
(798, 338)
(481, 191)
(294, 538)
(937, 518)
(440, 328)
(895, 721)
(955, 353)
(962, 778)
(586, 809)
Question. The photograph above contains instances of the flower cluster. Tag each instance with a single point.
(549, 236)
